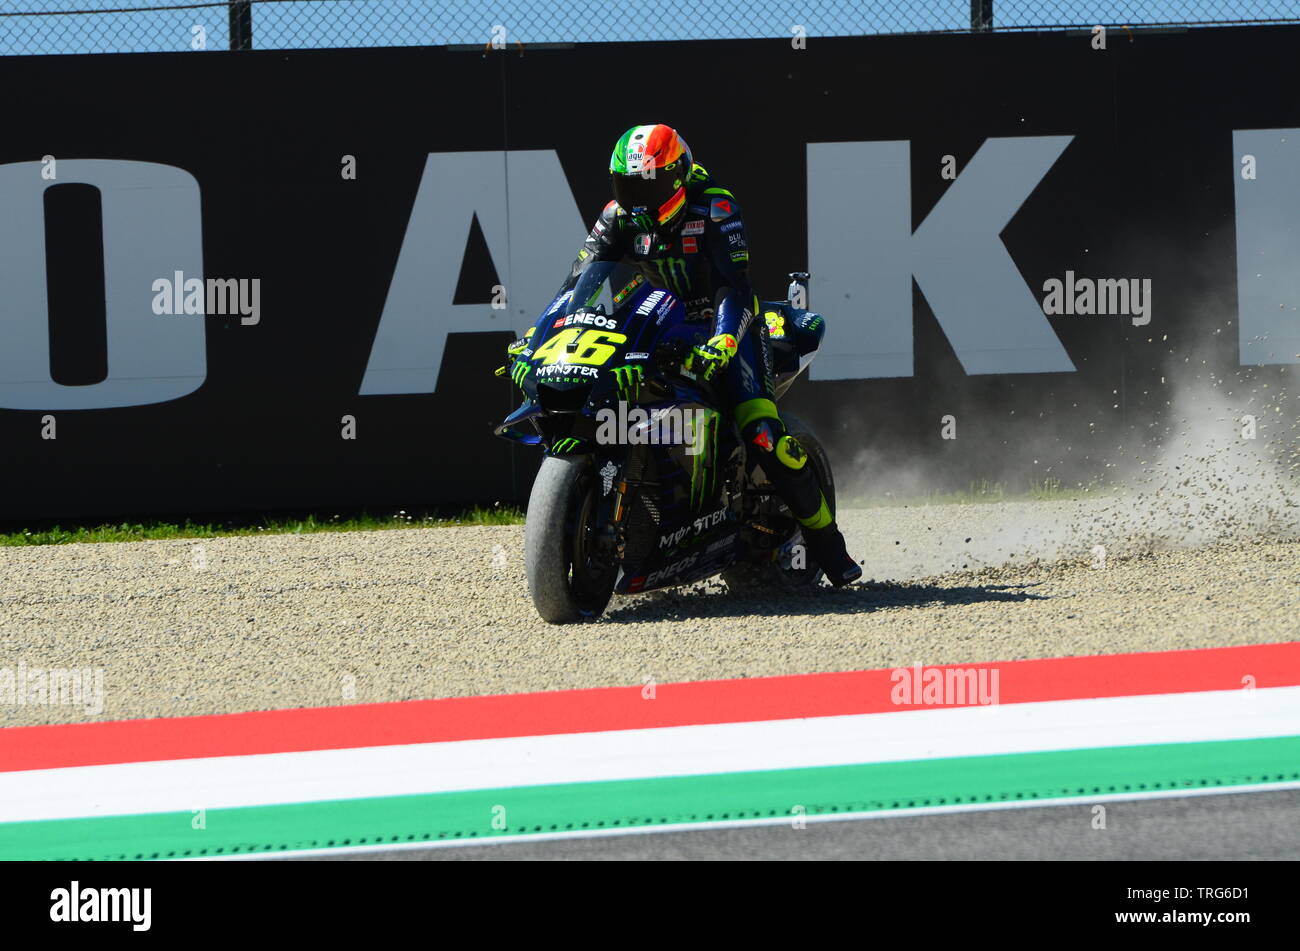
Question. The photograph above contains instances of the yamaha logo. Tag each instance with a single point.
(648, 304)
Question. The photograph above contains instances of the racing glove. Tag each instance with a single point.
(710, 359)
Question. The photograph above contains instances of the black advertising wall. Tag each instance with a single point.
(475, 169)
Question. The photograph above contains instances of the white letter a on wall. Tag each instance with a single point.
(532, 227)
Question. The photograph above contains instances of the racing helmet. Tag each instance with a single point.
(648, 172)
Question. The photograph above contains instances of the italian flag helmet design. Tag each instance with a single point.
(648, 170)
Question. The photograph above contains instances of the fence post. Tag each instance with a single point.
(981, 16)
(241, 24)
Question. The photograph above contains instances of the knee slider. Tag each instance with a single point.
(791, 453)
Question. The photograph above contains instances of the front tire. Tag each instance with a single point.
(567, 578)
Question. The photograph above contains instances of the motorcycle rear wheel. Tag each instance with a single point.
(567, 579)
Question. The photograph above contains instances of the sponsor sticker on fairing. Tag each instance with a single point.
(691, 529)
(586, 320)
(729, 226)
(775, 324)
(649, 303)
(720, 544)
(567, 370)
(695, 227)
(672, 538)
(699, 308)
(669, 571)
(637, 356)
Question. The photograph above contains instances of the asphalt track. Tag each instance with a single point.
(1229, 826)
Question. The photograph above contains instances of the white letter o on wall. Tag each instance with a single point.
(152, 228)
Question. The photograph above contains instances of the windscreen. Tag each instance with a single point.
(589, 285)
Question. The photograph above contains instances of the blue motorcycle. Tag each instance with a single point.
(646, 484)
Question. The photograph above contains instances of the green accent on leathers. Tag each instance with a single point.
(751, 410)
(820, 519)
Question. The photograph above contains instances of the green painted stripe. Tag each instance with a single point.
(649, 802)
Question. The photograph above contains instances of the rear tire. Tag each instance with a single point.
(749, 576)
(566, 581)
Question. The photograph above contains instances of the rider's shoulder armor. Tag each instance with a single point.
(711, 203)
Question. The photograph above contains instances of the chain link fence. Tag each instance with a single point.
(135, 26)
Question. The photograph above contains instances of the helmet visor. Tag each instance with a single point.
(661, 196)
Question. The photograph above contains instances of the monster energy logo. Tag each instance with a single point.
(703, 466)
(629, 379)
(672, 274)
(566, 445)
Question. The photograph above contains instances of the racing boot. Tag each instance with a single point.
(785, 463)
(826, 546)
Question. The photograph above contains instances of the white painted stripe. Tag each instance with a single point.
(277, 778)
(744, 823)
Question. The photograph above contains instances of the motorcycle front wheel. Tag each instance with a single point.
(568, 579)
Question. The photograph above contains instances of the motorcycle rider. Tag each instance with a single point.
(684, 233)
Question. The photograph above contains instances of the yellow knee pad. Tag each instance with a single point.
(790, 453)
